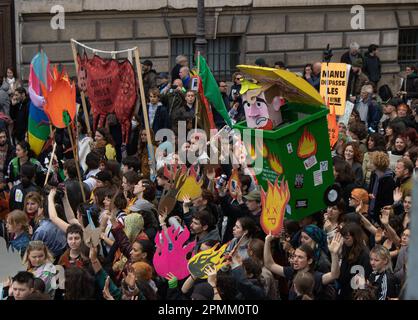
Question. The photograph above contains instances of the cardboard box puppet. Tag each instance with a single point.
(296, 150)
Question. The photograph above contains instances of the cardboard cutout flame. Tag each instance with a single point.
(60, 98)
(275, 164)
(172, 258)
(212, 257)
(307, 145)
(189, 185)
(274, 203)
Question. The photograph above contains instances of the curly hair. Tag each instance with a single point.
(380, 160)
(359, 129)
(357, 153)
(378, 140)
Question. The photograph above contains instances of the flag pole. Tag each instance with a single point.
(83, 97)
(50, 163)
(144, 110)
(197, 94)
(76, 161)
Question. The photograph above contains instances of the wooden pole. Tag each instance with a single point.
(144, 109)
(197, 95)
(83, 97)
(50, 163)
(76, 163)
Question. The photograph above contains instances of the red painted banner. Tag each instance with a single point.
(111, 88)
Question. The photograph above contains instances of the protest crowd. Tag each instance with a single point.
(105, 232)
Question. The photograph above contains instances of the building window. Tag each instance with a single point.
(222, 54)
(408, 47)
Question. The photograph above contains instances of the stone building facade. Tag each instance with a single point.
(294, 31)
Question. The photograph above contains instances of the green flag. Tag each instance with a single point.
(212, 92)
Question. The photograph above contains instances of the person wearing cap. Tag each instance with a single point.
(163, 82)
(359, 199)
(149, 76)
(357, 79)
(389, 111)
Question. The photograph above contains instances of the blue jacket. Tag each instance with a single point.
(21, 242)
(53, 237)
(374, 114)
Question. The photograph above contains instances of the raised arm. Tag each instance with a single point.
(187, 285)
(334, 248)
(268, 258)
(121, 239)
(53, 212)
(68, 210)
(365, 222)
(390, 233)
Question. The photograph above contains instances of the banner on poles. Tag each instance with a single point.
(336, 89)
(111, 88)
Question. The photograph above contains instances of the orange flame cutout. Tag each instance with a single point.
(274, 203)
(307, 145)
(275, 164)
(212, 257)
(59, 98)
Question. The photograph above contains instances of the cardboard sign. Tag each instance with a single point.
(274, 203)
(335, 91)
(332, 128)
(170, 256)
(349, 106)
(189, 185)
(10, 261)
(210, 257)
(60, 98)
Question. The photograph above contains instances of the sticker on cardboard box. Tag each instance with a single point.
(301, 203)
(317, 177)
(323, 165)
(299, 181)
(310, 162)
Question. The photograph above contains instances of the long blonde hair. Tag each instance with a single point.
(37, 245)
(19, 217)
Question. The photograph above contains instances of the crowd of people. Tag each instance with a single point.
(354, 250)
